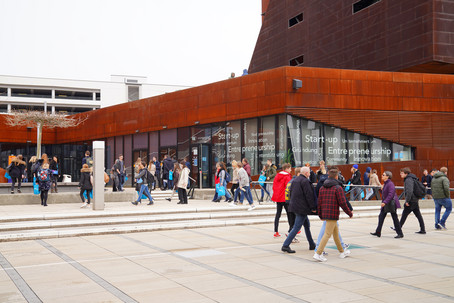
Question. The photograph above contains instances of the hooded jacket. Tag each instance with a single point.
(17, 168)
(332, 197)
(409, 183)
(440, 186)
(271, 173)
(279, 185)
(85, 179)
(302, 197)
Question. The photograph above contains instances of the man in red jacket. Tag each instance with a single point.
(279, 185)
(330, 198)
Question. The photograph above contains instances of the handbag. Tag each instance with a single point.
(35, 187)
(262, 180)
(170, 175)
(390, 207)
(220, 190)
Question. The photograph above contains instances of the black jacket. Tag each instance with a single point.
(321, 180)
(302, 197)
(409, 183)
(17, 168)
(356, 178)
(85, 181)
(167, 165)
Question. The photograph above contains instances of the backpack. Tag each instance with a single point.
(43, 175)
(150, 177)
(419, 190)
(89, 161)
(288, 189)
(227, 177)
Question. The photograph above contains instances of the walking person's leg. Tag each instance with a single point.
(299, 220)
(185, 196)
(13, 181)
(447, 203)
(330, 225)
(438, 206)
(320, 234)
(147, 193)
(404, 216)
(279, 207)
(82, 195)
(397, 224)
(307, 231)
(417, 212)
(381, 219)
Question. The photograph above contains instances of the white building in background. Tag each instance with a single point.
(75, 96)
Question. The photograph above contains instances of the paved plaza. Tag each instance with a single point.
(227, 264)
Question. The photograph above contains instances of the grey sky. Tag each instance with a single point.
(186, 42)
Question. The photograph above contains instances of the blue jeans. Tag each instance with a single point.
(447, 203)
(144, 190)
(322, 232)
(263, 189)
(246, 193)
(300, 220)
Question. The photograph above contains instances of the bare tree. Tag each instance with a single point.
(42, 119)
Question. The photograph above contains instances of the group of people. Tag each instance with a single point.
(20, 171)
(42, 172)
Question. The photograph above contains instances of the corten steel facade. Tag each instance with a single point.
(404, 35)
(408, 109)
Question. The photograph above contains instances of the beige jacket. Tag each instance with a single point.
(184, 177)
(373, 180)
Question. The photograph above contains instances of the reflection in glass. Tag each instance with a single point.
(294, 141)
(233, 138)
(281, 139)
(266, 140)
(358, 148)
(401, 152)
(335, 146)
(312, 142)
(250, 144)
(380, 150)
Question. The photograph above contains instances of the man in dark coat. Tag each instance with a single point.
(167, 166)
(411, 201)
(302, 203)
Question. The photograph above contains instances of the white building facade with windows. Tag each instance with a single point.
(74, 96)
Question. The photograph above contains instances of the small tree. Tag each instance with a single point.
(40, 120)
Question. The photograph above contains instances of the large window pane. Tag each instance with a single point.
(218, 145)
(200, 135)
(267, 140)
(312, 142)
(250, 144)
(233, 136)
(401, 152)
(358, 148)
(281, 139)
(335, 146)
(183, 143)
(380, 150)
(294, 141)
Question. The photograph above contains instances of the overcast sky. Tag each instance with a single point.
(182, 42)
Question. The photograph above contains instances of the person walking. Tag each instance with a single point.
(183, 183)
(85, 184)
(87, 159)
(263, 186)
(302, 203)
(270, 174)
(152, 169)
(167, 169)
(442, 197)
(373, 181)
(389, 204)
(220, 178)
(411, 201)
(244, 187)
(55, 174)
(355, 180)
(44, 182)
(247, 168)
(279, 186)
(157, 164)
(235, 181)
(141, 178)
(16, 170)
(331, 197)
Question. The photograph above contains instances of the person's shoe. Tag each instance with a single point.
(217, 200)
(84, 205)
(168, 199)
(230, 200)
(442, 225)
(135, 203)
(344, 254)
(287, 249)
(12, 192)
(311, 247)
(260, 200)
(319, 258)
(398, 236)
(438, 226)
(376, 234)
(276, 235)
(45, 204)
(252, 207)
(18, 191)
(181, 202)
(150, 203)
(295, 240)
(422, 232)
(392, 227)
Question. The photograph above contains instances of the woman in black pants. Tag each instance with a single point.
(85, 184)
(390, 202)
(44, 182)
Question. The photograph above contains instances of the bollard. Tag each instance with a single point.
(98, 175)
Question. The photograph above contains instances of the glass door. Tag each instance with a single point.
(201, 165)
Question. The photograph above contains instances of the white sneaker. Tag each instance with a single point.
(345, 254)
(252, 207)
(84, 205)
(320, 258)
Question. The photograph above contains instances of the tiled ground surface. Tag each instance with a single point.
(231, 264)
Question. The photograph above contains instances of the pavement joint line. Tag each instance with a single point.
(94, 277)
(20, 283)
(221, 272)
(395, 283)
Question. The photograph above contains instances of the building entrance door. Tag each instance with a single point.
(201, 165)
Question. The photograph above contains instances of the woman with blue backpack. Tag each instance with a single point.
(44, 182)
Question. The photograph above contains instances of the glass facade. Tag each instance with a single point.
(281, 138)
